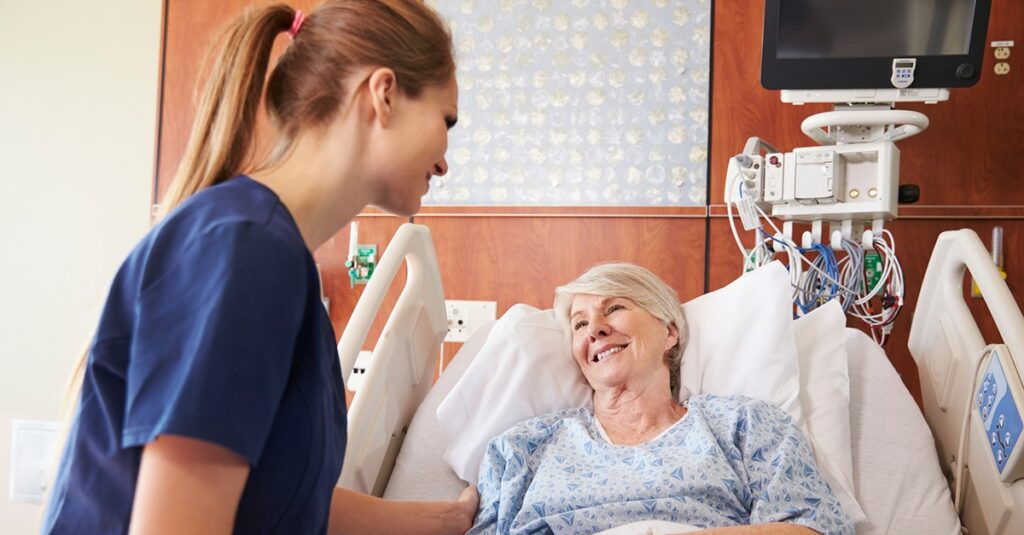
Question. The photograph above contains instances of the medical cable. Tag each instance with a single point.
(823, 287)
(794, 250)
(962, 448)
(730, 183)
(889, 290)
(851, 272)
(827, 277)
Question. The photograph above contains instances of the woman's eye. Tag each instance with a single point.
(613, 308)
(579, 325)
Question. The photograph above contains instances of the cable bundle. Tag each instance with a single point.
(826, 277)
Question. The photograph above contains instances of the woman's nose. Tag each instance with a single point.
(598, 330)
(441, 168)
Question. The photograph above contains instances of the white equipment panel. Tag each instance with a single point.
(998, 404)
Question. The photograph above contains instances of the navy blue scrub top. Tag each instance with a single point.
(213, 329)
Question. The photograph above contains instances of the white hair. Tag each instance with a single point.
(622, 279)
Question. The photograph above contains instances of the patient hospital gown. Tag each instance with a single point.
(728, 461)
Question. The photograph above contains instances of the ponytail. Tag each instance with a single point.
(218, 146)
(222, 133)
(305, 89)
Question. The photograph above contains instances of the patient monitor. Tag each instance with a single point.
(864, 57)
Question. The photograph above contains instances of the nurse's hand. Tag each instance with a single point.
(465, 509)
(353, 512)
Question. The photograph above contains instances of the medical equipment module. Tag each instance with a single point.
(864, 57)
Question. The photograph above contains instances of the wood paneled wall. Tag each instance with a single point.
(965, 164)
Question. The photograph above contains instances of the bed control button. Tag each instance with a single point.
(999, 456)
(1006, 439)
(1001, 422)
(995, 439)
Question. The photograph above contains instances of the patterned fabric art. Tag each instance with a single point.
(729, 461)
(578, 103)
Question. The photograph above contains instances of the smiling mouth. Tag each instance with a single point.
(606, 354)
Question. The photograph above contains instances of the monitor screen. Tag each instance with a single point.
(874, 28)
(851, 44)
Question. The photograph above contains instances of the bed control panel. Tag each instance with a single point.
(998, 400)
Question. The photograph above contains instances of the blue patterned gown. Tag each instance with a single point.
(730, 460)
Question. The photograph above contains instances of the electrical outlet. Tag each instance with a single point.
(1002, 68)
(32, 444)
(465, 317)
(1002, 52)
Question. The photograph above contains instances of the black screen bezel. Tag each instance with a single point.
(867, 73)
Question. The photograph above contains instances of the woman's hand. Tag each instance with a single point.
(353, 512)
(465, 507)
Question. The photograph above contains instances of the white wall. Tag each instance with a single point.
(78, 102)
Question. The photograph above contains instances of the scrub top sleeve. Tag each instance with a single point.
(214, 340)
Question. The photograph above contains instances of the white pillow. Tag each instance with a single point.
(524, 369)
(825, 396)
(740, 341)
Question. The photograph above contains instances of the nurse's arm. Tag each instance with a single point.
(187, 485)
(353, 512)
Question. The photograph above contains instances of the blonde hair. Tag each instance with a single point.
(622, 279)
(306, 87)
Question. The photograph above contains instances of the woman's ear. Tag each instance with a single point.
(673, 336)
(383, 89)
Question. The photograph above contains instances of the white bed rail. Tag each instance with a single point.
(947, 346)
(407, 348)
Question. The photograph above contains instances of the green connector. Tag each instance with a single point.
(751, 263)
(872, 269)
(360, 268)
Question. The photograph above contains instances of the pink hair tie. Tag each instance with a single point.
(300, 17)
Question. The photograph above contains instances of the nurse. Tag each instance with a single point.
(211, 398)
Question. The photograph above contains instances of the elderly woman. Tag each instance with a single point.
(719, 463)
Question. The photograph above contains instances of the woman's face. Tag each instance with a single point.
(415, 147)
(616, 343)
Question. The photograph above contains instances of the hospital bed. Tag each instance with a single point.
(901, 481)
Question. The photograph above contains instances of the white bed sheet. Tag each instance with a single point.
(896, 473)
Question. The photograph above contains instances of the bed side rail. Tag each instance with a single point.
(402, 361)
(947, 346)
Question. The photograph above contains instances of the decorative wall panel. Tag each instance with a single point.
(578, 103)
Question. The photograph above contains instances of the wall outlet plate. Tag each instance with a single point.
(465, 317)
(32, 458)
